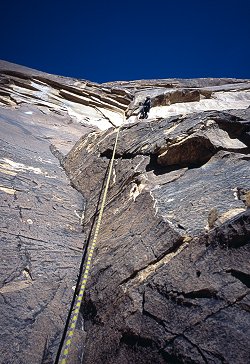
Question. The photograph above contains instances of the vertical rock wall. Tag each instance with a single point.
(170, 279)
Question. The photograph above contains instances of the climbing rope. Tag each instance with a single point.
(75, 312)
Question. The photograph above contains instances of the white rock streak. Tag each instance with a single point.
(220, 101)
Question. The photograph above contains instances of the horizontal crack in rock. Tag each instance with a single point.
(241, 276)
(142, 274)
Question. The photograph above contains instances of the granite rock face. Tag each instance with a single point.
(170, 278)
(170, 281)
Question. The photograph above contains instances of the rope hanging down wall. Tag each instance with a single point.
(76, 308)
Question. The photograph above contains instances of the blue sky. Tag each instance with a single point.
(125, 40)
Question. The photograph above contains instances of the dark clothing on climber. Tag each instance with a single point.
(145, 108)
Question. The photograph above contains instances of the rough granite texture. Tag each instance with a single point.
(170, 278)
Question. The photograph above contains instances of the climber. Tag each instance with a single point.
(145, 108)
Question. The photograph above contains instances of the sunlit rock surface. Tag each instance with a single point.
(170, 278)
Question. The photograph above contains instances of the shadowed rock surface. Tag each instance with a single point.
(165, 285)
(170, 278)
